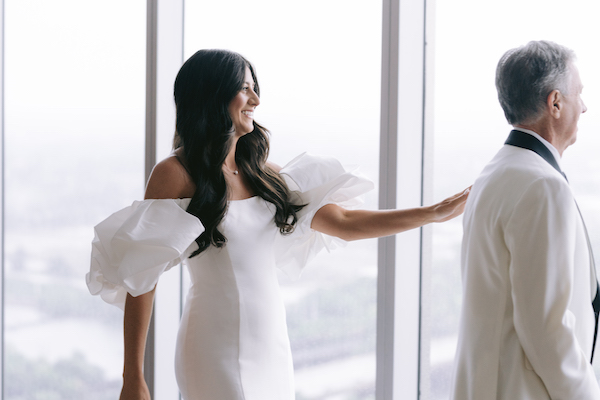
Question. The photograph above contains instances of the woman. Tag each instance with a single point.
(243, 218)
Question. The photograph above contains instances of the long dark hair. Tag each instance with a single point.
(204, 87)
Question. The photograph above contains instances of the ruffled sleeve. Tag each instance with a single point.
(135, 245)
(315, 181)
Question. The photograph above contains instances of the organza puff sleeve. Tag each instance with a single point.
(135, 245)
(315, 181)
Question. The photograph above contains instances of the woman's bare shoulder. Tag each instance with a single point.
(169, 180)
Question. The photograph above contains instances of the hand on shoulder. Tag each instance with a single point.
(169, 180)
(451, 207)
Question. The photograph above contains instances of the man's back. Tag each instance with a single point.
(524, 250)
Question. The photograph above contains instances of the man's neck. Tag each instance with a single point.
(547, 132)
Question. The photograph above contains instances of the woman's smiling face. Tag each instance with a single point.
(241, 108)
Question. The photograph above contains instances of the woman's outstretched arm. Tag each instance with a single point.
(363, 224)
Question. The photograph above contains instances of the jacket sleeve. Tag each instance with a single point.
(540, 236)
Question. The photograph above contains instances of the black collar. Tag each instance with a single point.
(530, 142)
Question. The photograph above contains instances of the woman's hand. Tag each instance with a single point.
(135, 388)
(451, 207)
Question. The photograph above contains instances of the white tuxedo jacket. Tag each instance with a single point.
(527, 322)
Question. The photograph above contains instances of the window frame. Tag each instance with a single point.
(2, 202)
(164, 57)
(404, 260)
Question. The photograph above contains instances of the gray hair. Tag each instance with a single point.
(526, 75)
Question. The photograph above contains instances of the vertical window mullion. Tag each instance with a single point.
(150, 156)
(427, 194)
(2, 197)
(409, 194)
(387, 200)
(401, 186)
(164, 58)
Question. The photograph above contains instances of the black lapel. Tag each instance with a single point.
(530, 142)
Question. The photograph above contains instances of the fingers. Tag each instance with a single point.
(464, 193)
(458, 198)
(453, 206)
(460, 195)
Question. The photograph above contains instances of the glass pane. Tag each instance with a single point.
(318, 64)
(470, 39)
(74, 154)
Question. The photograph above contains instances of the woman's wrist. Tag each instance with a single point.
(429, 214)
(133, 373)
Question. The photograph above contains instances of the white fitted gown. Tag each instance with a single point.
(232, 342)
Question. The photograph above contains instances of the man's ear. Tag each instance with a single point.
(554, 103)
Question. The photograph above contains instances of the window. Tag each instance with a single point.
(74, 139)
(74, 120)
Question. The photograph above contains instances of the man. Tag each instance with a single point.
(528, 324)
